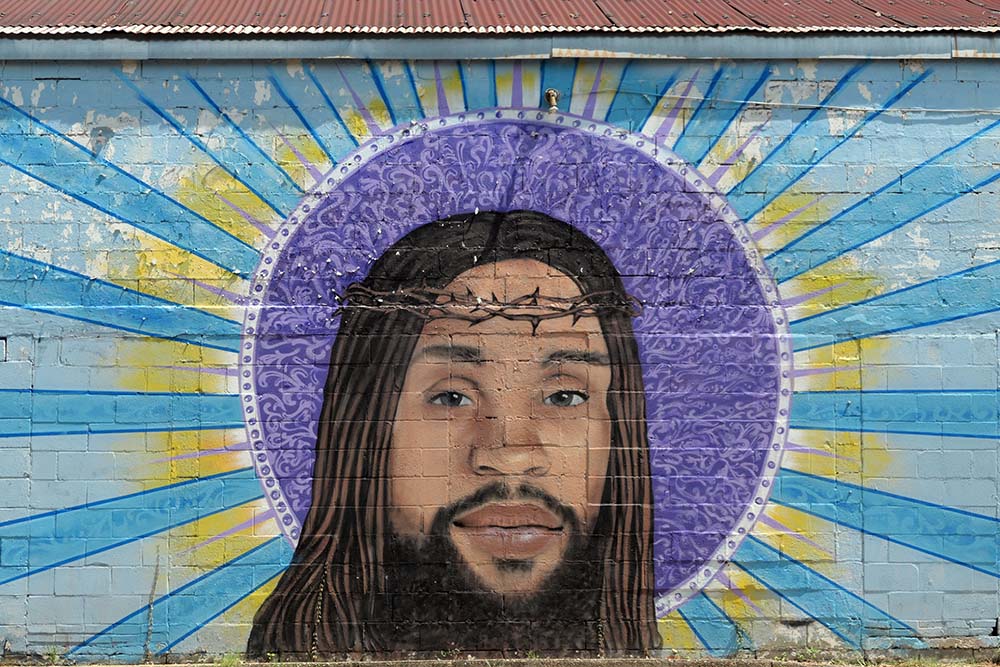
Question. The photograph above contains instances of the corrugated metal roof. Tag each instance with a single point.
(225, 17)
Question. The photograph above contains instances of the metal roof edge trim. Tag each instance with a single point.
(718, 46)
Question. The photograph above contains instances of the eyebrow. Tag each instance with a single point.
(576, 356)
(464, 353)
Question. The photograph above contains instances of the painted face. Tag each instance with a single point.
(504, 430)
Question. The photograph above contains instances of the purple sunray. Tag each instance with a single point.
(228, 449)
(258, 225)
(803, 372)
(728, 583)
(802, 298)
(249, 523)
(802, 449)
(232, 297)
(443, 108)
(761, 233)
(229, 372)
(777, 525)
(588, 108)
(316, 174)
(668, 123)
(362, 108)
(730, 160)
(516, 85)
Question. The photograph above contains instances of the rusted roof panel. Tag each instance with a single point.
(180, 17)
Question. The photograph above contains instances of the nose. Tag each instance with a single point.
(511, 447)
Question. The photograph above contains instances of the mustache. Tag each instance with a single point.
(498, 491)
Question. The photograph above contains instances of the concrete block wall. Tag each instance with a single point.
(317, 358)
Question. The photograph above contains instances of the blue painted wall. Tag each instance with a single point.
(145, 206)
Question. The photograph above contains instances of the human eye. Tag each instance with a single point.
(450, 399)
(566, 399)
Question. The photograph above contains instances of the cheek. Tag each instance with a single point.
(418, 474)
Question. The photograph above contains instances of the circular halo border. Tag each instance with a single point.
(288, 522)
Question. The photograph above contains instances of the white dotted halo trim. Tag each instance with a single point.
(289, 523)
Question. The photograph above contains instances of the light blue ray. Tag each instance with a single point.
(560, 75)
(965, 538)
(952, 413)
(43, 153)
(339, 139)
(41, 287)
(395, 83)
(712, 626)
(642, 87)
(478, 83)
(966, 293)
(37, 543)
(300, 114)
(182, 612)
(844, 613)
(236, 144)
(921, 190)
(40, 412)
(730, 98)
(813, 149)
(706, 97)
(260, 178)
(756, 181)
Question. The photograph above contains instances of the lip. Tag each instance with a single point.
(510, 531)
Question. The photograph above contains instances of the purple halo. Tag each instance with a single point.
(712, 335)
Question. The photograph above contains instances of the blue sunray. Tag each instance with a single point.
(413, 86)
(947, 298)
(263, 182)
(478, 83)
(817, 147)
(712, 626)
(344, 142)
(65, 412)
(969, 413)
(705, 100)
(233, 134)
(41, 287)
(37, 543)
(43, 153)
(704, 131)
(968, 539)
(300, 114)
(396, 87)
(921, 190)
(560, 75)
(182, 612)
(844, 613)
(641, 89)
(756, 181)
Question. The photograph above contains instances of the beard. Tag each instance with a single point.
(434, 603)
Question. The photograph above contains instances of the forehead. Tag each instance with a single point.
(510, 281)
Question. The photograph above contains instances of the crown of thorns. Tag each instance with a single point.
(432, 304)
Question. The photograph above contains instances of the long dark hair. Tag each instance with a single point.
(325, 602)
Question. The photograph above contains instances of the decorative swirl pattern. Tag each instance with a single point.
(711, 333)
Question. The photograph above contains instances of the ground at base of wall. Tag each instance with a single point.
(925, 658)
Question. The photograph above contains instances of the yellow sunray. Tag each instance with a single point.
(744, 599)
(813, 541)
(846, 366)
(677, 634)
(844, 456)
(837, 284)
(789, 216)
(153, 364)
(203, 189)
(197, 544)
(310, 151)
